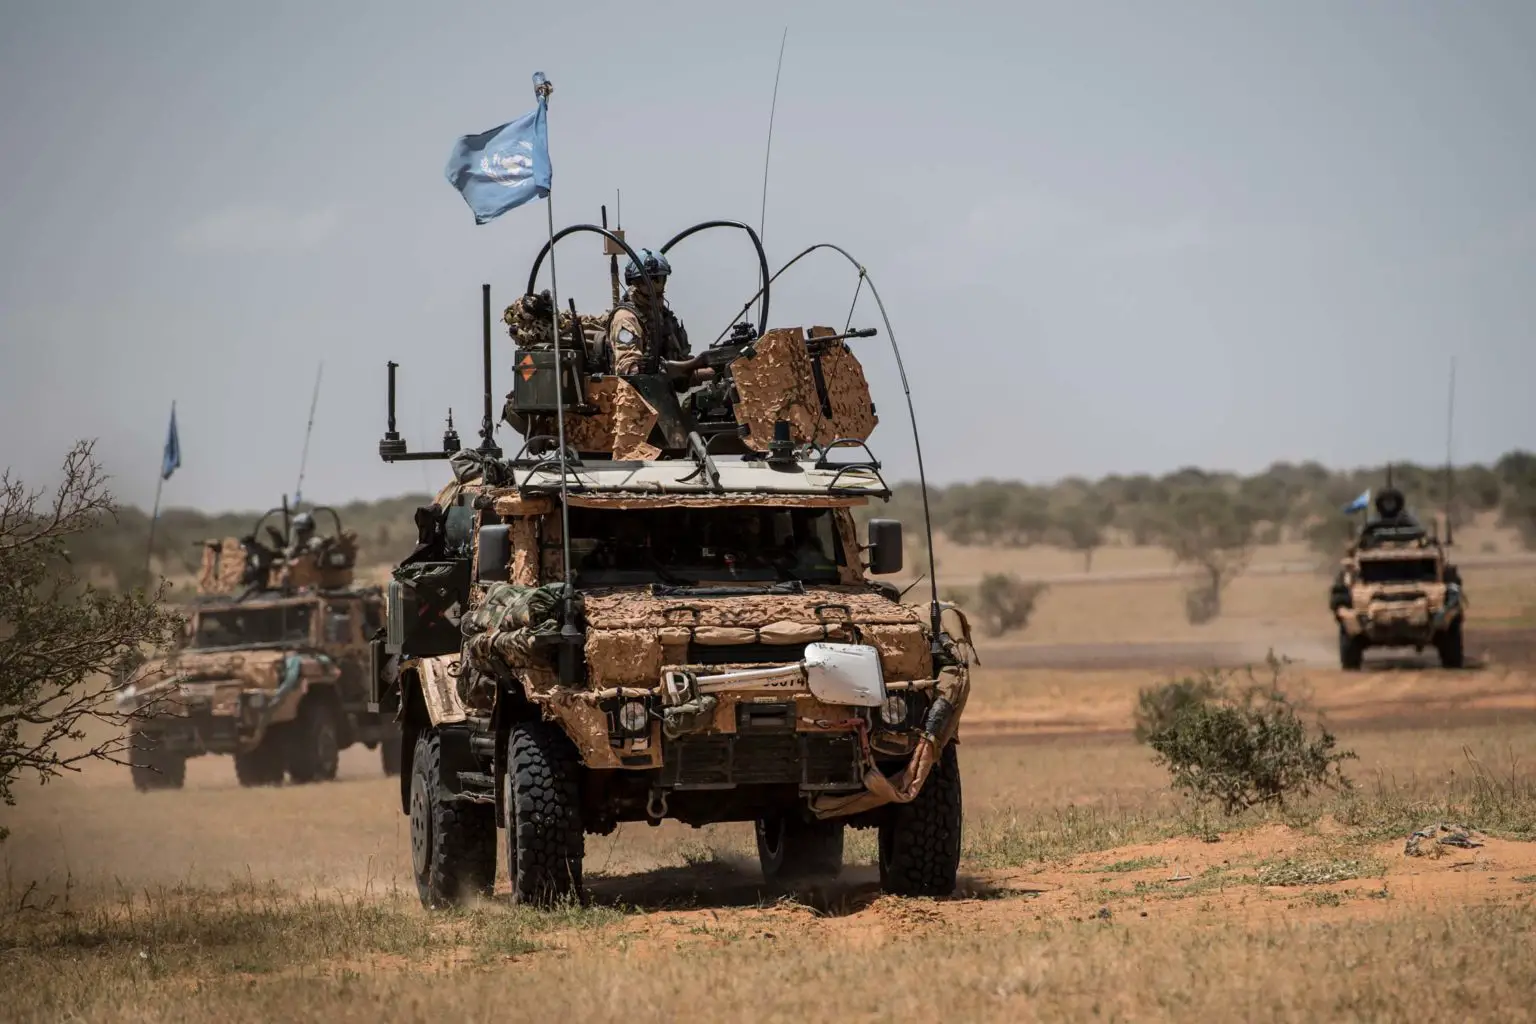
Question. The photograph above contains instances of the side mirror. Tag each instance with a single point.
(885, 549)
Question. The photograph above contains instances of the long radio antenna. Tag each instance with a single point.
(762, 217)
(773, 107)
(314, 399)
(1450, 470)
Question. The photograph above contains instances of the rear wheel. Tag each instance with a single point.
(1451, 648)
(791, 849)
(1351, 651)
(314, 745)
(453, 842)
(264, 765)
(154, 768)
(920, 841)
(545, 841)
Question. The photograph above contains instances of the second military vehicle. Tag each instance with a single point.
(670, 618)
(272, 667)
(1396, 587)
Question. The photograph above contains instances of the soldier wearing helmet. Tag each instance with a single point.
(302, 539)
(635, 318)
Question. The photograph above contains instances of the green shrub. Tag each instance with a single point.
(1238, 749)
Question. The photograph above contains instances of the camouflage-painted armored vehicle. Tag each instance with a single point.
(674, 621)
(1397, 588)
(273, 665)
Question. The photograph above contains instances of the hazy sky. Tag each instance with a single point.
(1112, 237)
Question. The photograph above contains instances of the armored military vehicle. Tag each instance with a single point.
(273, 665)
(1397, 588)
(671, 617)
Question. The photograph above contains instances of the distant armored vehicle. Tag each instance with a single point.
(273, 664)
(1397, 588)
(670, 617)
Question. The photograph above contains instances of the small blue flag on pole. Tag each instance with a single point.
(1359, 503)
(170, 461)
(505, 167)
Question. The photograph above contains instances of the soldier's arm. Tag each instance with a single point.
(626, 339)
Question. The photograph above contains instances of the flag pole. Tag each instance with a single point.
(154, 516)
(570, 637)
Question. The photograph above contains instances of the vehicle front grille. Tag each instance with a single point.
(745, 654)
(722, 762)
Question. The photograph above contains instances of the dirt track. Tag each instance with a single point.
(1485, 647)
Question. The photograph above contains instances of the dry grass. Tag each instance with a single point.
(1088, 889)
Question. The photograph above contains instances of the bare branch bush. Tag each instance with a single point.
(66, 648)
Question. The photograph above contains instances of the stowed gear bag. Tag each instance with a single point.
(502, 631)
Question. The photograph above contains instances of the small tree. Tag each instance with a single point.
(1083, 524)
(1004, 602)
(1207, 528)
(65, 647)
(1239, 749)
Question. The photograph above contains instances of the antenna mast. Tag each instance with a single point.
(1450, 471)
(314, 399)
(773, 107)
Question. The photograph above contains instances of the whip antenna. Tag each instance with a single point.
(314, 399)
(762, 216)
(1450, 471)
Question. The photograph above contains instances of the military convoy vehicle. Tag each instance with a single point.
(1396, 587)
(272, 666)
(670, 617)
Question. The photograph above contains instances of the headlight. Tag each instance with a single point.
(633, 718)
(894, 711)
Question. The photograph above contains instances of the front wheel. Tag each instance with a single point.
(791, 849)
(262, 766)
(453, 842)
(920, 841)
(314, 748)
(542, 795)
(152, 767)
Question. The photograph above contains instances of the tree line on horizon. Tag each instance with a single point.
(1202, 517)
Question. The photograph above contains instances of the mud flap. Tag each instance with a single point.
(456, 757)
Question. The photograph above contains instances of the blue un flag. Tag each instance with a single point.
(505, 167)
(170, 461)
(1359, 503)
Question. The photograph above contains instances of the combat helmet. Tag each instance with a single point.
(655, 265)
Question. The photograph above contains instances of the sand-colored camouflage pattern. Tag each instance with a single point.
(777, 382)
(631, 634)
(620, 426)
(223, 565)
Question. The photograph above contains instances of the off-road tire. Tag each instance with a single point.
(152, 768)
(1451, 646)
(314, 742)
(453, 842)
(264, 765)
(920, 841)
(542, 794)
(791, 849)
(1351, 651)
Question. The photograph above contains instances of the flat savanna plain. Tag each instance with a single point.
(1088, 888)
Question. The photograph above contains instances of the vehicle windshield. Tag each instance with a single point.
(1399, 570)
(245, 627)
(689, 546)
